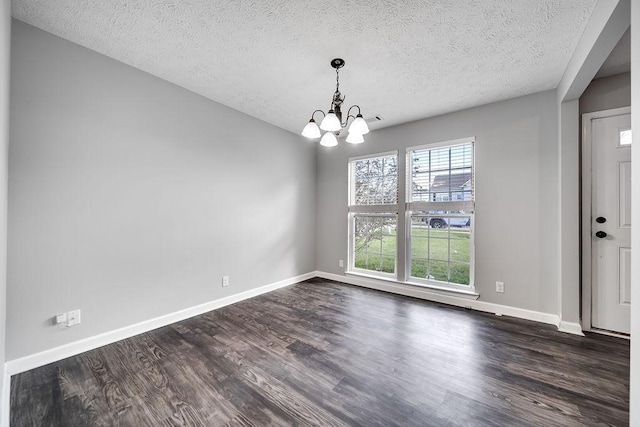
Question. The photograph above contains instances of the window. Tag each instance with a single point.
(436, 217)
(373, 214)
(625, 137)
(440, 204)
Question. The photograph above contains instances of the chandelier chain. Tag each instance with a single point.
(338, 98)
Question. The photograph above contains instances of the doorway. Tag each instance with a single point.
(606, 221)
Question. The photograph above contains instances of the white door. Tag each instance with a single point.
(611, 223)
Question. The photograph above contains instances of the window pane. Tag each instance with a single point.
(438, 270)
(441, 246)
(419, 268)
(389, 246)
(375, 181)
(440, 159)
(625, 137)
(438, 246)
(442, 174)
(461, 156)
(459, 273)
(375, 243)
(460, 249)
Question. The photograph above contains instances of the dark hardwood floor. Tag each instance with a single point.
(323, 353)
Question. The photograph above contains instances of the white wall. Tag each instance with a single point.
(569, 214)
(635, 209)
(5, 37)
(516, 198)
(130, 197)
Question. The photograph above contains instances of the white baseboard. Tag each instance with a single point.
(58, 353)
(445, 298)
(570, 328)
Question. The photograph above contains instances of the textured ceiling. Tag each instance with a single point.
(619, 60)
(405, 59)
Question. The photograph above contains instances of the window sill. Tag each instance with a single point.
(469, 294)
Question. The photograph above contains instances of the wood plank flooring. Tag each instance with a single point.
(326, 354)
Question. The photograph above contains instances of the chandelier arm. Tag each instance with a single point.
(314, 113)
(346, 122)
(353, 106)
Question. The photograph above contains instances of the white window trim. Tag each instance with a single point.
(373, 156)
(443, 290)
(467, 291)
(458, 205)
(411, 207)
(381, 210)
(452, 142)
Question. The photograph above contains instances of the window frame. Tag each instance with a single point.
(403, 210)
(412, 208)
(372, 210)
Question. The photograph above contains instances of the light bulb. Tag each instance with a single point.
(359, 125)
(311, 130)
(329, 140)
(331, 123)
(355, 138)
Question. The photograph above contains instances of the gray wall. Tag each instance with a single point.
(516, 198)
(607, 93)
(130, 198)
(5, 38)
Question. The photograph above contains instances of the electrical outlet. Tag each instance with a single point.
(61, 318)
(73, 318)
(500, 287)
(225, 280)
(341, 263)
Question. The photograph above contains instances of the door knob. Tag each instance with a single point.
(601, 220)
(601, 234)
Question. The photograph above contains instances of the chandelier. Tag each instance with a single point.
(332, 122)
